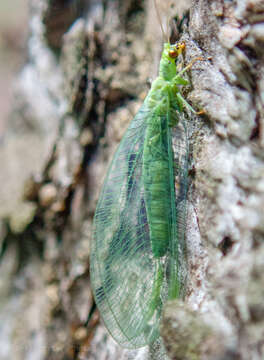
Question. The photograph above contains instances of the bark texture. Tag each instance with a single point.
(88, 67)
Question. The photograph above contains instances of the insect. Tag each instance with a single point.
(137, 245)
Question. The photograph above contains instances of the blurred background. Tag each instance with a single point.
(77, 82)
(13, 35)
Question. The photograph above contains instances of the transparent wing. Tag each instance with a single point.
(122, 265)
(129, 283)
(181, 167)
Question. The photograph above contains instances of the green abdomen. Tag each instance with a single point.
(157, 183)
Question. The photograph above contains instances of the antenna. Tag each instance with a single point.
(169, 19)
(159, 19)
(168, 26)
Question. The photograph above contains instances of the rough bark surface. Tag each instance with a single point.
(86, 76)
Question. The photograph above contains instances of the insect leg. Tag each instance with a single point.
(187, 67)
(178, 80)
(183, 102)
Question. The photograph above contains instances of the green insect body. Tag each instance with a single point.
(136, 245)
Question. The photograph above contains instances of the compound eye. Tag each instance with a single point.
(181, 46)
(173, 53)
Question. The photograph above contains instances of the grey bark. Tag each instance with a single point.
(86, 76)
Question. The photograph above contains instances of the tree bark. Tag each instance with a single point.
(86, 76)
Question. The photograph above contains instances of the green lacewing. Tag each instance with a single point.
(137, 243)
